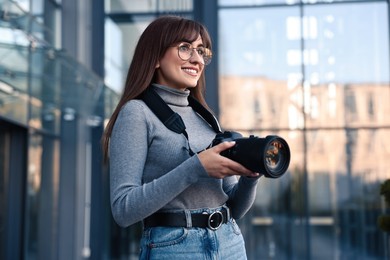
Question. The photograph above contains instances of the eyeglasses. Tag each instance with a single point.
(185, 52)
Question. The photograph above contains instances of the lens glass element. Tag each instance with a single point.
(274, 154)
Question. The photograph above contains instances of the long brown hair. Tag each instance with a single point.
(152, 45)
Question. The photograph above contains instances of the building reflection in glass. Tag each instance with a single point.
(321, 81)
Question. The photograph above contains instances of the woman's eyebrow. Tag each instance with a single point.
(199, 45)
(188, 41)
(185, 40)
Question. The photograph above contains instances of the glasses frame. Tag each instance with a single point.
(206, 58)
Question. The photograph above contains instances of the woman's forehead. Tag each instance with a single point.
(194, 39)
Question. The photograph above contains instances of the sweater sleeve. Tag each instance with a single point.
(242, 194)
(131, 199)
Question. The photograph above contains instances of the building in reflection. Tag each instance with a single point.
(340, 131)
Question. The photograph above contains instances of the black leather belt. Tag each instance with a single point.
(212, 221)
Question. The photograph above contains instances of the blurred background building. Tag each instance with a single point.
(314, 71)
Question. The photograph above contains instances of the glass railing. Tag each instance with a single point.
(26, 29)
(38, 83)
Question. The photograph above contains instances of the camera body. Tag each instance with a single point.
(269, 156)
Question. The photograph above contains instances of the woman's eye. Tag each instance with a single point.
(184, 48)
(200, 51)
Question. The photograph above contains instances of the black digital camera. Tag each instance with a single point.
(269, 156)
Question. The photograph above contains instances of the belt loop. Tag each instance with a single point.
(188, 218)
(227, 212)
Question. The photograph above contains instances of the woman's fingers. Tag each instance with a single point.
(218, 166)
(223, 146)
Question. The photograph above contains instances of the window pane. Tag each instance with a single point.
(254, 2)
(4, 171)
(13, 84)
(42, 198)
(347, 65)
(321, 81)
(345, 168)
(120, 42)
(148, 6)
(260, 71)
(240, 3)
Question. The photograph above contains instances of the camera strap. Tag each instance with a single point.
(173, 120)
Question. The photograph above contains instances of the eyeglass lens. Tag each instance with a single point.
(186, 51)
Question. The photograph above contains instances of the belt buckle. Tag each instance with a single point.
(215, 220)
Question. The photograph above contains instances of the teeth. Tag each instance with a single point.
(190, 71)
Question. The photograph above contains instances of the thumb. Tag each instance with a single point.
(223, 146)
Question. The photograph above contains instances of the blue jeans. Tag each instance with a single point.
(193, 243)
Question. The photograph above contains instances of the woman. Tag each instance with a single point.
(187, 201)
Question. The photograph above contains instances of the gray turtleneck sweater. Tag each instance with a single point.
(151, 169)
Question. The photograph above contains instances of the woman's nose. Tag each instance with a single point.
(196, 57)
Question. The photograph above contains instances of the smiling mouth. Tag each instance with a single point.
(191, 71)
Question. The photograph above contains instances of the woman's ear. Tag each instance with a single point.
(157, 65)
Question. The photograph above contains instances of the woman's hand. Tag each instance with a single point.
(218, 166)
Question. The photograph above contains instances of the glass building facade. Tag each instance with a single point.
(314, 72)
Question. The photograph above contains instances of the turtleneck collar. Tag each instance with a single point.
(172, 96)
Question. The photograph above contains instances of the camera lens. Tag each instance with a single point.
(273, 154)
(269, 155)
(276, 157)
